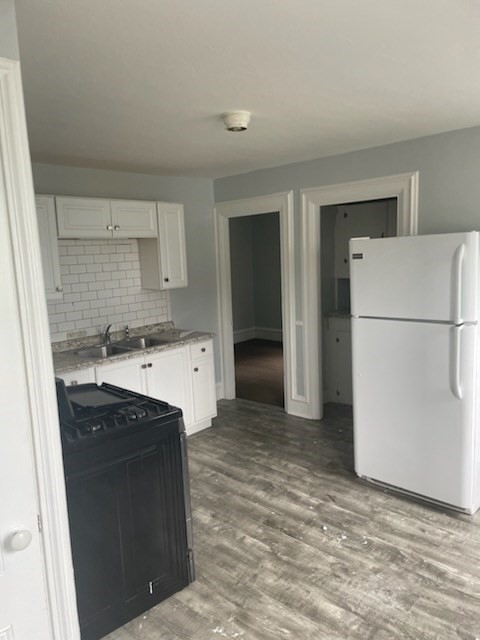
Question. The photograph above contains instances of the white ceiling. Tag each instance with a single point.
(139, 85)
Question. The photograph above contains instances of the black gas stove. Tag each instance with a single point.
(126, 472)
(90, 414)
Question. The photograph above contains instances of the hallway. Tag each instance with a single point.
(259, 371)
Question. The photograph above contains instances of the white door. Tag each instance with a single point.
(23, 599)
(416, 277)
(413, 391)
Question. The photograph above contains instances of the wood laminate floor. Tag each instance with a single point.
(289, 544)
(259, 371)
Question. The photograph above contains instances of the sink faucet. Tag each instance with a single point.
(106, 335)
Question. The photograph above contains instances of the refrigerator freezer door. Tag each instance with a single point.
(413, 402)
(416, 277)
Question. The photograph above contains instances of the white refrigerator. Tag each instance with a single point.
(414, 305)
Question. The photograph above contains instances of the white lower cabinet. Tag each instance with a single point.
(127, 374)
(338, 339)
(183, 377)
(80, 376)
(203, 381)
(168, 379)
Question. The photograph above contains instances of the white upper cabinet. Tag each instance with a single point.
(47, 231)
(102, 218)
(134, 219)
(163, 261)
(84, 218)
(365, 219)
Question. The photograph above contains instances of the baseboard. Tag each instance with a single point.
(263, 333)
(266, 333)
(242, 335)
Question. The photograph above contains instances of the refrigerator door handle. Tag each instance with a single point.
(456, 386)
(457, 274)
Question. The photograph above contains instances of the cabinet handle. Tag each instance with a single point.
(166, 279)
(337, 339)
(203, 349)
(109, 227)
(149, 365)
(116, 227)
(59, 288)
(144, 366)
(345, 260)
(196, 369)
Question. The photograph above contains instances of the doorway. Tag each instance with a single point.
(403, 187)
(295, 402)
(339, 223)
(255, 264)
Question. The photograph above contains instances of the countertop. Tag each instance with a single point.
(66, 359)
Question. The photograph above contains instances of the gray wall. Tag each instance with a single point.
(449, 166)
(8, 31)
(241, 264)
(266, 267)
(196, 305)
(255, 268)
(449, 186)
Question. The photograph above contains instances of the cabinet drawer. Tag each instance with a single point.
(201, 350)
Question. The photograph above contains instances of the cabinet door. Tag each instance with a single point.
(173, 253)
(343, 367)
(134, 219)
(338, 348)
(204, 394)
(168, 379)
(47, 231)
(84, 218)
(80, 376)
(128, 374)
(366, 219)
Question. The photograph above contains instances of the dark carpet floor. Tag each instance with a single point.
(259, 371)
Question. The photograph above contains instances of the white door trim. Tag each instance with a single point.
(19, 191)
(283, 203)
(402, 186)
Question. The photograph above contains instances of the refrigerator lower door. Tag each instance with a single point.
(413, 407)
(433, 278)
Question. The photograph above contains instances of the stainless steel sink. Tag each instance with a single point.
(103, 351)
(143, 342)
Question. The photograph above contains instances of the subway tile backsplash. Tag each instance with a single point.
(101, 285)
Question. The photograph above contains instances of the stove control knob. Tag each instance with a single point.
(20, 540)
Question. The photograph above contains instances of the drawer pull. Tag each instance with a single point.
(203, 349)
(149, 365)
(196, 369)
(144, 366)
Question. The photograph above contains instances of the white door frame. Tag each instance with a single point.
(404, 187)
(40, 397)
(283, 203)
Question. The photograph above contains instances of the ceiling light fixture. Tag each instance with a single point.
(236, 120)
